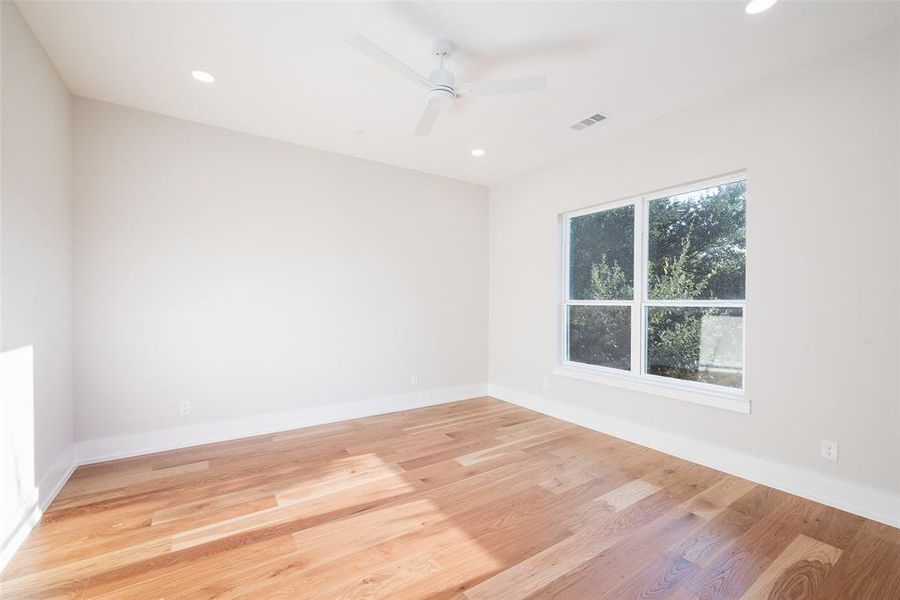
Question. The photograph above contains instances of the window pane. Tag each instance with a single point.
(600, 335)
(697, 244)
(601, 255)
(696, 344)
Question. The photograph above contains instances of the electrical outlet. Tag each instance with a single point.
(829, 450)
(414, 380)
(185, 407)
(546, 383)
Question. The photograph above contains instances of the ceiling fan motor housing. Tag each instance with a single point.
(442, 94)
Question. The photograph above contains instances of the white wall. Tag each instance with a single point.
(820, 145)
(35, 276)
(251, 276)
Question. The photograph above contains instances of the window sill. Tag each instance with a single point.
(733, 402)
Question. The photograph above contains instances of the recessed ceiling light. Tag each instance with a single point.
(203, 76)
(478, 152)
(758, 6)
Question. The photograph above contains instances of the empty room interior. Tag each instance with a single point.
(459, 300)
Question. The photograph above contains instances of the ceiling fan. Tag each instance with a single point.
(441, 83)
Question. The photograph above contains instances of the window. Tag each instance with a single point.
(654, 288)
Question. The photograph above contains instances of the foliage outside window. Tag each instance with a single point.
(655, 287)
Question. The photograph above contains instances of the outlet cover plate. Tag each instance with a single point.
(829, 450)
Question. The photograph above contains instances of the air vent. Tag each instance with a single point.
(593, 119)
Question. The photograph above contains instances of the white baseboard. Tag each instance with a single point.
(148, 442)
(879, 505)
(874, 504)
(16, 529)
(56, 477)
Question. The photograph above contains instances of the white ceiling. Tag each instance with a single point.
(284, 70)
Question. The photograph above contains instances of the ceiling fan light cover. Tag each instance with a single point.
(757, 6)
(441, 98)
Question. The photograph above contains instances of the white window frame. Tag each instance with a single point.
(637, 378)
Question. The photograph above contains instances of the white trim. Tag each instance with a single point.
(589, 210)
(868, 502)
(600, 302)
(642, 231)
(705, 394)
(691, 186)
(56, 477)
(697, 303)
(16, 529)
(639, 285)
(696, 186)
(872, 503)
(638, 376)
(148, 442)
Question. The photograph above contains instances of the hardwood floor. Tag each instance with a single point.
(472, 500)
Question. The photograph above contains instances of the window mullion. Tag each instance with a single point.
(638, 279)
(686, 303)
(564, 306)
(599, 302)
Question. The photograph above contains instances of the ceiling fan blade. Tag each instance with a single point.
(426, 122)
(386, 60)
(504, 86)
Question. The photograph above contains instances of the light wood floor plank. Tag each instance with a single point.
(469, 500)
(797, 572)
